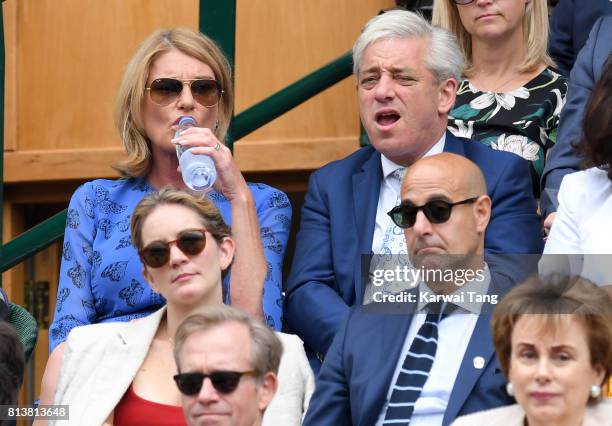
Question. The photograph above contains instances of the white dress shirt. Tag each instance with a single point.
(454, 334)
(389, 195)
(582, 227)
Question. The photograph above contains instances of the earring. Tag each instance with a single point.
(216, 125)
(595, 391)
(509, 389)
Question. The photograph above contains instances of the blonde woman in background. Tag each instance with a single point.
(511, 97)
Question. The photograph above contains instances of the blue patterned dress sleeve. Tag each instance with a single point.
(101, 275)
(75, 271)
(274, 213)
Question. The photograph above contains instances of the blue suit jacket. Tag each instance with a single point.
(337, 226)
(354, 380)
(562, 158)
(570, 25)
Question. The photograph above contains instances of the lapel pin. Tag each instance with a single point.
(479, 362)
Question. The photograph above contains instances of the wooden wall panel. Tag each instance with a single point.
(42, 165)
(45, 269)
(71, 56)
(9, 10)
(278, 42)
(13, 225)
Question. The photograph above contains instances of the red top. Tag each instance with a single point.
(133, 410)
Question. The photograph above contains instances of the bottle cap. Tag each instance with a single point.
(187, 120)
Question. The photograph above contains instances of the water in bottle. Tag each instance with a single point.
(199, 172)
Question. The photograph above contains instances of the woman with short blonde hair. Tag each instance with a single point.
(174, 73)
(128, 110)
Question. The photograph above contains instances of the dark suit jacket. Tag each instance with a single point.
(562, 158)
(354, 380)
(570, 25)
(337, 226)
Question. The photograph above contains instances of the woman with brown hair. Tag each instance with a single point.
(582, 224)
(553, 339)
(122, 373)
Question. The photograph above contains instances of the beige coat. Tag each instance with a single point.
(513, 415)
(100, 362)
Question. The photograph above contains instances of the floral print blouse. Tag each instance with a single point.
(523, 121)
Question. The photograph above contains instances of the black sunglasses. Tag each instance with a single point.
(436, 211)
(206, 92)
(157, 253)
(223, 381)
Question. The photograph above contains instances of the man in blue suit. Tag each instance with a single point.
(562, 158)
(570, 25)
(389, 368)
(407, 73)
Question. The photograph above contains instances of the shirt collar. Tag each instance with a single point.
(389, 166)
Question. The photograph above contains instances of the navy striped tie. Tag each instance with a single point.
(415, 370)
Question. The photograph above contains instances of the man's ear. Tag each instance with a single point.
(482, 210)
(447, 94)
(267, 389)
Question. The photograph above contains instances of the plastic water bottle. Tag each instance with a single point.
(199, 172)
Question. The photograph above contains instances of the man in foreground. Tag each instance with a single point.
(228, 365)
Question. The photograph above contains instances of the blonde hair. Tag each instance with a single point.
(266, 347)
(128, 107)
(535, 28)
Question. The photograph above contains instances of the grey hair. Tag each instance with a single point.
(266, 347)
(444, 57)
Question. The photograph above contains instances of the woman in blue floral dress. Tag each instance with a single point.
(174, 73)
(511, 97)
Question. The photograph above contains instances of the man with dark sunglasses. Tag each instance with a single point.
(428, 359)
(407, 72)
(229, 366)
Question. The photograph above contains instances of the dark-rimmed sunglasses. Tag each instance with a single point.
(223, 381)
(436, 211)
(463, 2)
(189, 241)
(206, 92)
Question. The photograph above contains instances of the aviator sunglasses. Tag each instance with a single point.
(190, 242)
(206, 92)
(223, 381)
(436, 211)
